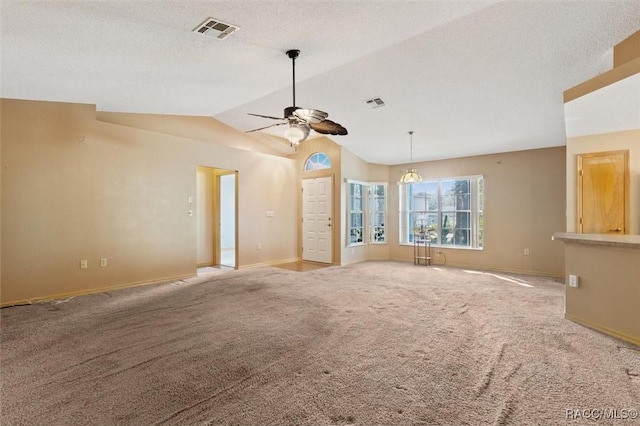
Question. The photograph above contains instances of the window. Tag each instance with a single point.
(367, 213)
(377, 213)
(451, 211)
(356, 213)
(317, 161)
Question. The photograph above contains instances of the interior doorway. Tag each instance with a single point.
(216, 217)
(227, 235)
(603, 192)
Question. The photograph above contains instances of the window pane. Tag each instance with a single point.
(448, 223)
(463, 220)
(462, 237)
(378, 207)
(448, 203)
(356, 220)
(461, 186)
(462, 201)
(447, 187)
(432, 202)
(419, 203)
(317, 161)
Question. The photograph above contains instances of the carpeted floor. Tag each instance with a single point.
(377, 343)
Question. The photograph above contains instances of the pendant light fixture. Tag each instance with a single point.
(411, 175)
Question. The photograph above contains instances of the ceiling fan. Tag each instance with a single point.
(301, 120)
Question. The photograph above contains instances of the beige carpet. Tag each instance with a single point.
(377, 343)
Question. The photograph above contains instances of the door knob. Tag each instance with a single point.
(615, 230)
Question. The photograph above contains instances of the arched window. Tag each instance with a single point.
(317, 161)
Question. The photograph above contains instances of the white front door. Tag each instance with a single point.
(317, 229)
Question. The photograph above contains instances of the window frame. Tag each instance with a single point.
(351, 211)
(475, 212)
(323, 162)
(367, 211)
(373, 211)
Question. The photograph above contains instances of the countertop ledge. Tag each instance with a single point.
(614, 240)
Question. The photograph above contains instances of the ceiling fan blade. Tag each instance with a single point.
(267, 116)
(329, 127)
(310, 115)
(265, 127)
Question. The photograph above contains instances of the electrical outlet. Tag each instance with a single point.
(103, 262)
(84, 264)
(526, 252)
(258, 246)
(438, 253)
(574, 281)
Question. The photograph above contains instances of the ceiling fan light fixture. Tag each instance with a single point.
(296, 133)
(411, 175)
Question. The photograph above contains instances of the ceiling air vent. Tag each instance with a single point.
(215, 28)
(375, 102)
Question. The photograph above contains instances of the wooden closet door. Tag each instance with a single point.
(603, 192)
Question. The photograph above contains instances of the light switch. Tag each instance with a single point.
(270, 213)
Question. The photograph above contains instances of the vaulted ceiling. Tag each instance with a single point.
(469, 77)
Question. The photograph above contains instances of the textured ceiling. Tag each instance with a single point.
(469, 77)
(613, 108)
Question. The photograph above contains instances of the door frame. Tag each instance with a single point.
(579, 190)
(334, 220)
(217, 212)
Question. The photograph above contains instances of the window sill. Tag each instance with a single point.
(440, 246)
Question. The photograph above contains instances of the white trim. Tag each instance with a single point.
(359, 182)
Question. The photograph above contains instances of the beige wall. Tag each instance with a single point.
(524, 206)
(627, 140)
(205, 202)
(74, 188)
(608, 295)
(204, 129)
